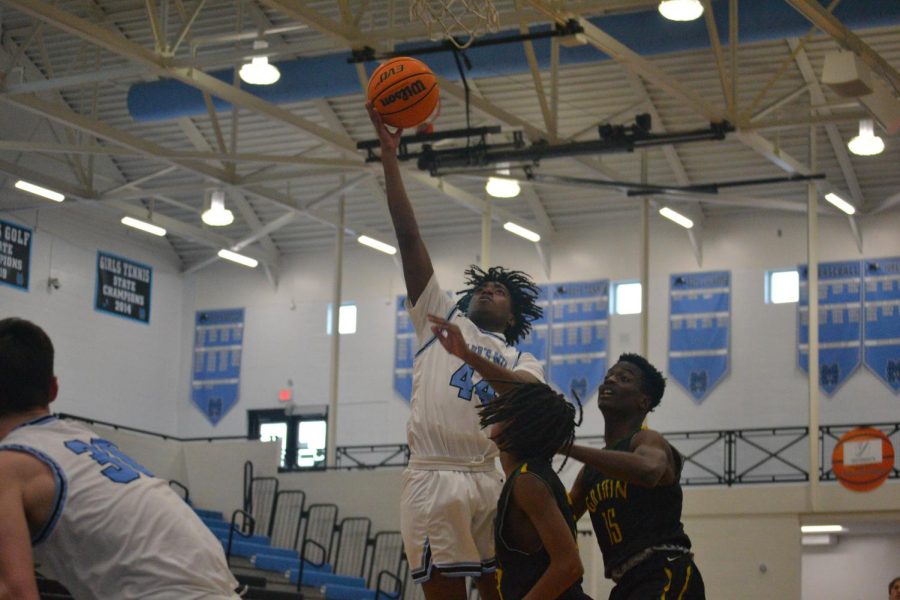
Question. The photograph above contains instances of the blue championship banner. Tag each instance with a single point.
(404, 350)
(216, 372)
(699, 330)
(579, 332)
(123, 287)
(840, 326)
(537, 342)
(882, 319)
(15, 255)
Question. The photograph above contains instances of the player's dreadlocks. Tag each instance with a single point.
(522, 291)
(652, 381)
(539, 421)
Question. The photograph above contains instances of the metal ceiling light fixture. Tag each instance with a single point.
(143, 226)
(216, 215)
(376, 244)
(840, 203)
(681, 10)
(501, 187)
(27, 186)
(520, 231)
(238, 258)
(258, 71)
(866, 143)
(676, 217)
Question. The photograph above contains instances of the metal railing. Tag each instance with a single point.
(711, 457)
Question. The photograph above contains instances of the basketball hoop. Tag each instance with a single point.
(455, 18)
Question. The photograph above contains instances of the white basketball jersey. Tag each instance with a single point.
(116, 531)
(447, 392)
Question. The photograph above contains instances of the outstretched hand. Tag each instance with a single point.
(389, 140)
(449, 335)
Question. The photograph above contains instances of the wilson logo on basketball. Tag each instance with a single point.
(405, 93)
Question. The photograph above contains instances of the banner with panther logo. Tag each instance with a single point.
(216, 372)
(537, 342)
(840, 326)
(578, 320)
(699, 330)
(882, 319)
(404, 350)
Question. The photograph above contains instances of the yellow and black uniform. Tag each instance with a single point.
(645, 549)
(519, 570)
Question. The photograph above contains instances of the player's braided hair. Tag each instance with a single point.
(522, 291)
(652, 381)
(539, 421)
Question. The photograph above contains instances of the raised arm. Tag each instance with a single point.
(417, 268)
(577, 495)
(535, 499)
(500, 378)
(16, 562)
(649, 464)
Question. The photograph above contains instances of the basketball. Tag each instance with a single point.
(862, 459)
(404, 91)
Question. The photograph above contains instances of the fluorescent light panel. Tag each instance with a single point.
(373, 243)
(677, 217)
(840, 203)
(821, 528)
(37, 190)
(143, 226)
(238, 258)
(522, 232)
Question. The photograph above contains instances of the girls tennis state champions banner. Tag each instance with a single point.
(699, 330)
(123, 287)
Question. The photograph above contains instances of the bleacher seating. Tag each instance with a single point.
(320, 539)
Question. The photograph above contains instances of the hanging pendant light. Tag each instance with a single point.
(501, 187)
(866, 143)
(216, 215)
(681, 10)
(258, 71)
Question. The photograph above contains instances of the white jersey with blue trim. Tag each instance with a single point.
(443, 426)
(115, 531)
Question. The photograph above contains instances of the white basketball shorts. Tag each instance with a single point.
(447, 521)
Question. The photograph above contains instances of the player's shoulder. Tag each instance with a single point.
(18, 463)
(648, 436)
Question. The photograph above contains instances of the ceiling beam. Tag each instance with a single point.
(821, 18)
(634, 62)
(817, 97)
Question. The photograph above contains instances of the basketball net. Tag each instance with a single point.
(455, 18)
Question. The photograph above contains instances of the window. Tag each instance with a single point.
(626, 298)
(346, 319)
(782, 286)
(303, 437)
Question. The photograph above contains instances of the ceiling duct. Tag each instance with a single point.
(646, 32)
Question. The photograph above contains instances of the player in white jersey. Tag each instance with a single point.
(451, 487)
(82, 511)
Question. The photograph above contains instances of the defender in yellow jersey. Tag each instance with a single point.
(631, 490)
(535, 531)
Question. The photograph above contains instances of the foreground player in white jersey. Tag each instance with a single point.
(82, 511)
(451, 487)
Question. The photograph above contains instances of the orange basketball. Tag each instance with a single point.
(862, 459)
(404, 91)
